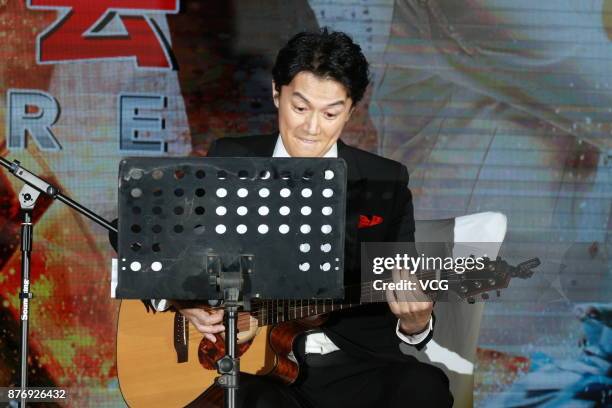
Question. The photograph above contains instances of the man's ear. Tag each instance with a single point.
(350, 112)
(275, 95)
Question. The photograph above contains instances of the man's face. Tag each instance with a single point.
(312, 112)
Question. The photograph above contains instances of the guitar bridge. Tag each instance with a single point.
(181, 338)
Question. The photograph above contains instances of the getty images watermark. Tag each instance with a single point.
(423, 267)
(441, 271)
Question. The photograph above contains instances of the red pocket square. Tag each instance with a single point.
(365, 222)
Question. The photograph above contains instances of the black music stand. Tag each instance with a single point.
(231, 229)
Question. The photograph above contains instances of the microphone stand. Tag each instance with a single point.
(27, 200)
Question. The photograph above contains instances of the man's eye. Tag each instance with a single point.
(299, 109)
(331, 115)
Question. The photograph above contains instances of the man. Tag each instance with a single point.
(355, 360)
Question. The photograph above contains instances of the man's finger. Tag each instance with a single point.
(392, 301)
(395, 275)
(210, 319)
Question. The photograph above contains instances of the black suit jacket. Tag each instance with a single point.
(375, 186)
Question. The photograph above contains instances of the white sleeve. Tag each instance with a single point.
(417, 338)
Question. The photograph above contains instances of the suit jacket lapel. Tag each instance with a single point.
(263, 146)
(356, 188)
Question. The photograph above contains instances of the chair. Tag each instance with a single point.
(453, 346)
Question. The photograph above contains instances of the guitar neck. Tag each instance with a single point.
(277, 311)
(494, 276)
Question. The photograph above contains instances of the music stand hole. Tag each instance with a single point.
(157, 174)
(136, 246)
(136, 210)
(136, 192)
(199, 229)
(179, 192)
(157, 192)
(136, 174)
(199, 210)
(222, 175)
(243, 174)
(136, 228)
(307, 176)
(200, 192)
(179, 174)
(200, 174)
(178, 210)
(156, 247)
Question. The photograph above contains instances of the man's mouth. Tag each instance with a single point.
(307, 141)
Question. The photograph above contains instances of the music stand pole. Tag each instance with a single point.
(27, 201)
(229, 365)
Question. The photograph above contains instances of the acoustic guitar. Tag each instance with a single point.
(163, 361)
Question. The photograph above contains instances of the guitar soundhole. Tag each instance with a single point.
(209, 353)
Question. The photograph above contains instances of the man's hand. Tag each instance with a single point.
(206, 320)
(410, 306)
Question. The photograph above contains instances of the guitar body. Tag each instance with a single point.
(150, 376)
(148, 367)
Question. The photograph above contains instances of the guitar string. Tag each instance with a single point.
(273, 311)
(268, 311)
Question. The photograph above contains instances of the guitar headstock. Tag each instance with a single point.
(494, 277)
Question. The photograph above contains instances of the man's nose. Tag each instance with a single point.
(312, 124)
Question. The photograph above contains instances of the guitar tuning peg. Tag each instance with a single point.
(471, 300)
(498, 293)
(485, 296)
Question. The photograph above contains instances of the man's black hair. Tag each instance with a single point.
(326, 54)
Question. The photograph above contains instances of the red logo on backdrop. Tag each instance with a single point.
(106, 29)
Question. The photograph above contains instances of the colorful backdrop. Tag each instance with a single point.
(502, 105)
